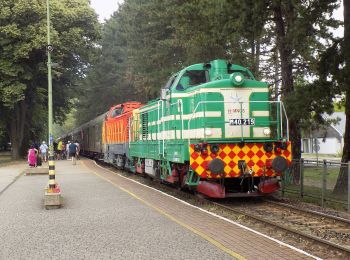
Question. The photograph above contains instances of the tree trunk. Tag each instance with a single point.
(276, 73)
(283, 21)
(341, 186)
(16, 129)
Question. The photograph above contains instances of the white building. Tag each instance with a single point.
(326, 141)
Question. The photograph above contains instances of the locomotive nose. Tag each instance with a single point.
(216, 166)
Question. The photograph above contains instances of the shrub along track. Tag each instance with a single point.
(320, 234)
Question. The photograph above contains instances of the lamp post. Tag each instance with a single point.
(52, 197)
(49, 77)
(52, 194)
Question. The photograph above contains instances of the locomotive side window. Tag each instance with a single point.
(193, 78)
(116, 112)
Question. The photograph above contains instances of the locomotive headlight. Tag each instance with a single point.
(238, 78)
(267, 131)
(208, 132)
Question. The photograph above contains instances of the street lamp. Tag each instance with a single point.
(49, 50)
(52, 194)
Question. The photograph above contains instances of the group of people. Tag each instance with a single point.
(37, 155)
(69, 150)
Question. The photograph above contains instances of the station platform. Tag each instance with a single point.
(107, 216)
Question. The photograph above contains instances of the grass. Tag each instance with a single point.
(314, 195)
(5, 157)
(315, 175)
(312, 188)
(320, 156)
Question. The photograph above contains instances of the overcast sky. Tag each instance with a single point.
(105, 8)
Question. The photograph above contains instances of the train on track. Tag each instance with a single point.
(213, 130)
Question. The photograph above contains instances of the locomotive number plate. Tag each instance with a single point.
(242, 121)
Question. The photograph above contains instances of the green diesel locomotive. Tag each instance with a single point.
(213, 130)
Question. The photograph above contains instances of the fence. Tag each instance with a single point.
(318, 181)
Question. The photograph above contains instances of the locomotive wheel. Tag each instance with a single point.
(120, 162)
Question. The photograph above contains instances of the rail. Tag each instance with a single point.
(293, 226)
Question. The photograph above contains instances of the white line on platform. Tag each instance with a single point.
(220, 217)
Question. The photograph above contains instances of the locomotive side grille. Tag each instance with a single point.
(144, 122)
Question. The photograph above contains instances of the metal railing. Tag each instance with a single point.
(324, 182)
(277, 117)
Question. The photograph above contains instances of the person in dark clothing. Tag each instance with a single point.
(55, 144)
(73, 152)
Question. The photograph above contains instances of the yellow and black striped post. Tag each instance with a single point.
(52, 180)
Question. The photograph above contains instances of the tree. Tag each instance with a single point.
(137, 56)
(274, 38)
(107, 76)
(344, 80)
(299, 28)
(23, 71)
(335, 68)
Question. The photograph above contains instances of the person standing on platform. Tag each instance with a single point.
(73, 152)
(43, 150)
(67, 150)
(55, 145)
(32, 152)
(63, 151)
(78, 148)
(59, 150)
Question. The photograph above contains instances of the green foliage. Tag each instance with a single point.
(339, 107)
(23, 69)
(61, 129)
(146, 41)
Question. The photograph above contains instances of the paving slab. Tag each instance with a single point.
(228, 236)
(96, 221)
(9, 174)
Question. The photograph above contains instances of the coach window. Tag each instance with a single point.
(116, 112)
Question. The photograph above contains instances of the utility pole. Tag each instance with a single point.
(53, 193)
(49, 50)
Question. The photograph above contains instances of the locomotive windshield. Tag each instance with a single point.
(170, 82)
(192, 78)
(116, 112)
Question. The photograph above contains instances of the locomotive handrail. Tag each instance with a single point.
(282, 108)
(159, 104)
(160, 111)
(287, 121)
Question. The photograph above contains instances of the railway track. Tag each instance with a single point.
(331, 232)
(327, 236)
